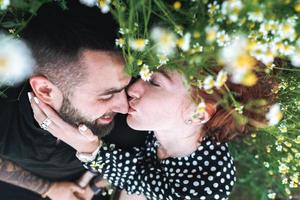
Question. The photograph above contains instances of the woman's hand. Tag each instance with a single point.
(83, 140)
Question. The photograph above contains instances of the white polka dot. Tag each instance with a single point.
(195, 163)
(195, 183)
(199, 158)
(213, 157)
(227, 176)
(206, 163)
(185, 182)
(216, 196)
(213, 168)
(202, 198)
(210, 178)
(220, 163)
(205, 152)
(211, 147)
(215, 185)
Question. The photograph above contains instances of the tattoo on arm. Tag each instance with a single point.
(14, 174)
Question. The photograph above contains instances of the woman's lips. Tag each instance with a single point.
(131, 110)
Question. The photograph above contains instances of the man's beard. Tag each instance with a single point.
(72, 116)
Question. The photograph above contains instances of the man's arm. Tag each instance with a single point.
(16, 175)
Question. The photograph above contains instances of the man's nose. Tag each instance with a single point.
(120, 103)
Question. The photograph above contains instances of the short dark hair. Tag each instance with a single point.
(57, 38)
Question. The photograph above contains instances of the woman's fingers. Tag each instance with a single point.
(49, 112)
(86, 132)
(45, 122)
(39, 115)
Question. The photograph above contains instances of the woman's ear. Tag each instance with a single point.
(203, 117)
(46, 91)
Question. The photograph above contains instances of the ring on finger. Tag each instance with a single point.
(45, 124)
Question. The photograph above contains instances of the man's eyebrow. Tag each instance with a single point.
(113, 90)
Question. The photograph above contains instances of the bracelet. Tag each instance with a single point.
(88, 157)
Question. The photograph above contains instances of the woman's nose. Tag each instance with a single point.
(135, 91)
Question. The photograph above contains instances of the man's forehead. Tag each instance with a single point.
(105, 71)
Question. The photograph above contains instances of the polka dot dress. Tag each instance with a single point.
(207, 173)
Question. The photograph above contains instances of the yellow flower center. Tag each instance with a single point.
(180, 42)
(3, 61)
(297, 7)
(287, 28)
(245, 61)
(140, 43)
(166, 39)
(211, 35)
(196, 35)
(249, 80)
(102, 3)
(177, 5)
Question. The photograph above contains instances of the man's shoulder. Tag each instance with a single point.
(10, 94)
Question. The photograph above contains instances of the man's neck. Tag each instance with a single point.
(178, 143)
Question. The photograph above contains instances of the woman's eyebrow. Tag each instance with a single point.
(165, 74)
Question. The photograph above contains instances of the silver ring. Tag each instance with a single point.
(45, 124)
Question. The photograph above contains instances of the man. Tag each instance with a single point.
(81, 76)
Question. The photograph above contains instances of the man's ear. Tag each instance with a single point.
(46, 91)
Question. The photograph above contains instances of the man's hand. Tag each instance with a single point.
(65, 190)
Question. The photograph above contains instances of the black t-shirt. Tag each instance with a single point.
(25, 143)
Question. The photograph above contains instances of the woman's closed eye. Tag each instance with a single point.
(154, 82)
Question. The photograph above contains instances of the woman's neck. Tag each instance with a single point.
(178, 143)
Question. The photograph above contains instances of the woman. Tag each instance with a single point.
(185, 156)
